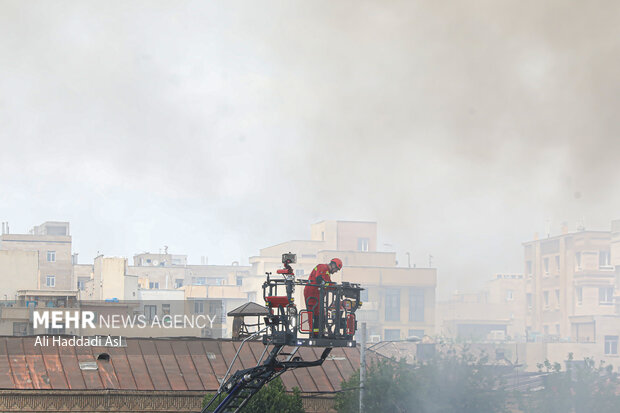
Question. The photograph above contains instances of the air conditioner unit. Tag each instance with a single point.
(375, 338)
(496, 335)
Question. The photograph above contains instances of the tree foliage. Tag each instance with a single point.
(466, 384)
(450, 383)
(272, 398)
(584, 388)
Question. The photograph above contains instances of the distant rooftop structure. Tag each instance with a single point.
(53, 228)
(147, 259)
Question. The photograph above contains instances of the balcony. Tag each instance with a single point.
(14, 313)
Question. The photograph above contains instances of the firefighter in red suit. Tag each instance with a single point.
(320, 274)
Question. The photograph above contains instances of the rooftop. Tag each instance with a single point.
(155, 364)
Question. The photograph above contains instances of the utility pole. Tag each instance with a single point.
(362, 366)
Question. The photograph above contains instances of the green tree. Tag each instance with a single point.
(584, 388)
(449, 383)
(272, 398)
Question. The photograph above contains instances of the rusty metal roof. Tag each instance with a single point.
(160, 364)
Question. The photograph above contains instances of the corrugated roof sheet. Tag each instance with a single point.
(158, 364)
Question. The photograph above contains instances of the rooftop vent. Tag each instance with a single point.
(103, 357)
(88, 365)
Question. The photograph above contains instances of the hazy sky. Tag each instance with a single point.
(219, 128)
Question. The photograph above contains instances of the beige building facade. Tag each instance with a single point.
(52, 242)
(569, 279)
(110, 281)
(19, 270)
(496, 313)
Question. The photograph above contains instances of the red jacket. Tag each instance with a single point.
(320, 272)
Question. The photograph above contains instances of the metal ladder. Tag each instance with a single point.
(235, 392)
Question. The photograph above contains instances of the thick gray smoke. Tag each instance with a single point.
(217, 129)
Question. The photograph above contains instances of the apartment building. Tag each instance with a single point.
(569, 281)
(213, 289)
(172, 277)
(110, 280)
(52, 243)
(496, 313)
(398, 301)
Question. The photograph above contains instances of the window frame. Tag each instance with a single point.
(363, 244)
(611, 345)
(392, 295)
(606, 295)
(417, 304)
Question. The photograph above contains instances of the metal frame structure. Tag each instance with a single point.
(335, 324)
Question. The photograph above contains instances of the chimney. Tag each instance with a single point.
(564, 228)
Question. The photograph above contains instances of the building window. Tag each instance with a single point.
(150, 311)
(154, 285)
(611, 344)
(557, 297)
(392, 334)
(239, 281)
(364, 295)
(59, 330)
(546, 330)
(199, 307)
(416, 304)
(528, 267)
(606, 295)
(546, 265)
(80, 285)
(392, 304)
(546, 298)
(20, 329)
(578, 259)
(579, 294)
(300, 272)
(529, 300)
(415, 333)
(165, 309)
(557, 263)
(50, 281)
(51, 256)
(604, 259)
(362, 244)
(252, 296)
(510, 295)
(199, 280)
(557, 329)
(178, 283)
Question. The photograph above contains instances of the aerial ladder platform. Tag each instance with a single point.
(288, 329)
